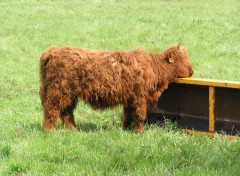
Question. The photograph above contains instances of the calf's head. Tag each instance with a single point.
(178, 57)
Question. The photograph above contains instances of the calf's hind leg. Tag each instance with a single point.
(50, 96)
(51, 114)
(127, 117)
(67, 116)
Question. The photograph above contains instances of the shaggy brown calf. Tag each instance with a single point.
(105, 79)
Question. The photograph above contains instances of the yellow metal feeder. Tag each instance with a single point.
(201, 105)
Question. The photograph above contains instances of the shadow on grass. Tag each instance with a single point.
(81, 127)
(93, 127)
(88, 127)
(36, 126)
(31, 127)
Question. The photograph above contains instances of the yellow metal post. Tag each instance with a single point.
(212, 109)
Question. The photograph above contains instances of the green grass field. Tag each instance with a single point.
(209, 29)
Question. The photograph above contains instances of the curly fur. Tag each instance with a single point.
(105, 79)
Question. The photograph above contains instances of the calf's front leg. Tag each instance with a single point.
(140, 114)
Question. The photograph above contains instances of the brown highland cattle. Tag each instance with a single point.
(105, 79)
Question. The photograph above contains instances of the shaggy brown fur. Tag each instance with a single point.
(105, 79)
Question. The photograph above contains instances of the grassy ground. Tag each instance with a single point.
(210, 31)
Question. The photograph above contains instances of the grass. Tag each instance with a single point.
(208, 29)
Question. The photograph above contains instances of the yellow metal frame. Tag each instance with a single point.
(211, 84)
(211, 109)
(210, 134)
